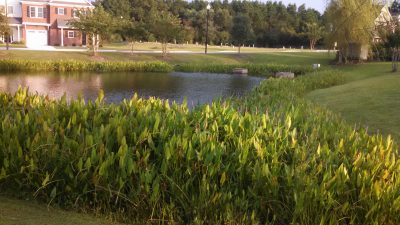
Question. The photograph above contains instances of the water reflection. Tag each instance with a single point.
(199, 88)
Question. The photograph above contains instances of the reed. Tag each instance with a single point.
(254, 69)
(81, 66)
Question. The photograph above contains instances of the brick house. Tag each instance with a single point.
(45, 22)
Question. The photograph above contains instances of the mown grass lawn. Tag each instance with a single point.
(298, 58)
(370, 99)
(18, 212)
(153, 46)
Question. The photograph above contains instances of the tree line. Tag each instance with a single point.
(269, 24)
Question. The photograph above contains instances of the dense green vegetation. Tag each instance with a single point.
(78, 66)
(82, 66)
(254, 69)
(272, 24)
(271, 157)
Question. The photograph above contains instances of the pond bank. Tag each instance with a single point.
(7, 65)
(268, 158)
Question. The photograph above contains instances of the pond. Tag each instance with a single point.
(198, 88)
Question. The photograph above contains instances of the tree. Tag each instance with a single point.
(241, 30)
(118, 8)
(132, 32)
(97, 24)
(314, 33)
(395, 7)
(5, 29)
(389, 32)
(393, 43)
(223, 24)
(272, 23)
(351, 23)
(166, 28)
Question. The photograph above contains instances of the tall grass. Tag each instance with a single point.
(269, 158)
(84, 66)
(81, 66)
(254, 69)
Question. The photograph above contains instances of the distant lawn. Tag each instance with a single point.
(296, 58)
(13, 45)
(153, 46)
(371, 99)
(18, 212)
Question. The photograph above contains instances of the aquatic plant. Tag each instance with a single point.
(268, 158)
(254, 69)
(81, 66)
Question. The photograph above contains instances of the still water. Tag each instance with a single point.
(198, 88)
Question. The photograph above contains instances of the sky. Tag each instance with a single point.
(316, 4)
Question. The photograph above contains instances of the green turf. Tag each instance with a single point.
(366, 70)
(298, 58)
(17, 212)
(370, 99)
(151, 46)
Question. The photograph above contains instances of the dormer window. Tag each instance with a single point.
(60, 11)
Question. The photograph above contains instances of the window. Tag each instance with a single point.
(32, 11)
(40, 13)
(36, 12)
(10, 10)
(71, 34)
(60, 11)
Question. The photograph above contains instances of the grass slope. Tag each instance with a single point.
(370, 99)
(298, 58)
(17, 212)
(373, 103)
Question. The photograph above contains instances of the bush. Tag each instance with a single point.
(269, 158)
(18, 42)
(380, 53)
(82, 66)
(254, 69)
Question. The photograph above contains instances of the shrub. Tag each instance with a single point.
(379, 52)
(82, 66)
(254, 69)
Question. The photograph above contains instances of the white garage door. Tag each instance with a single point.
(36, 38)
